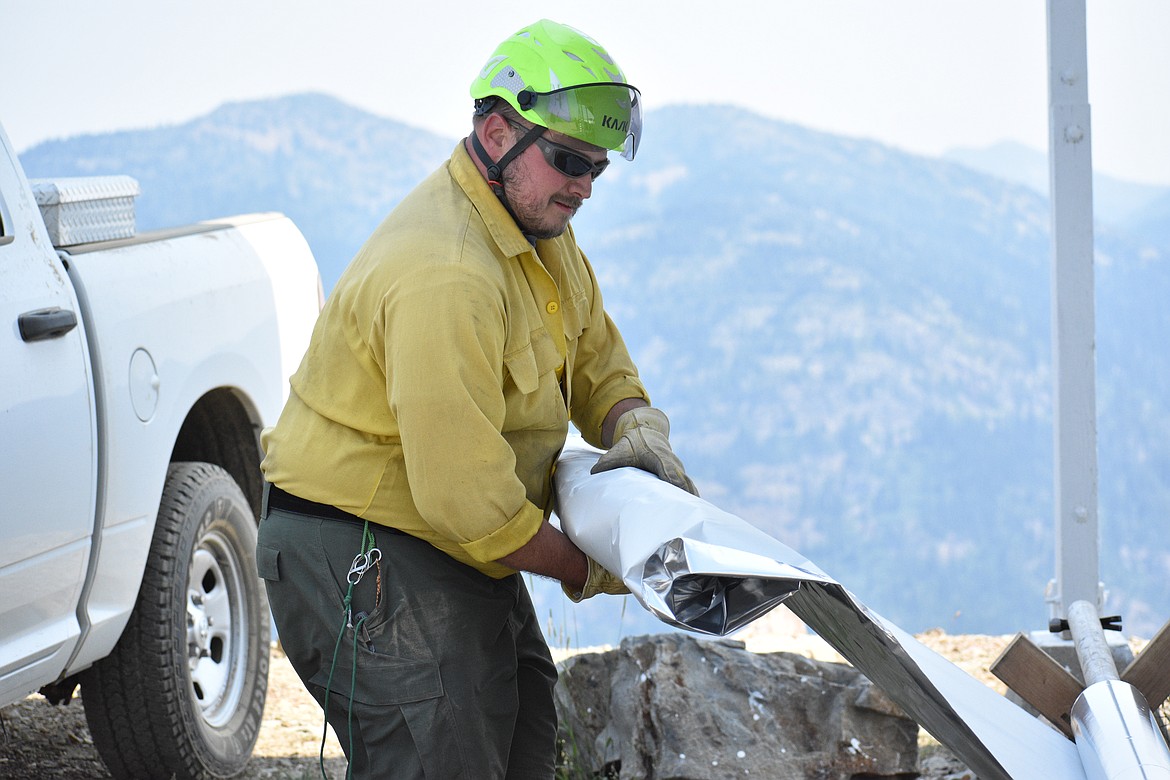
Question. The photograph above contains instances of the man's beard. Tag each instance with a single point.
(531, 217)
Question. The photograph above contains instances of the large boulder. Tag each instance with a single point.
(673, 707)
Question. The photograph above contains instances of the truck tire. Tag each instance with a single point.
(183, 691)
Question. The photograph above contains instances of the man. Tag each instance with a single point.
(414, 456)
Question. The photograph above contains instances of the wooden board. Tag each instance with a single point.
(1039, 680)
(1150, 671)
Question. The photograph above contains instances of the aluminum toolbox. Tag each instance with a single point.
(84, 209)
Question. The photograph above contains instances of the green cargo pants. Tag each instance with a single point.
(453, 676)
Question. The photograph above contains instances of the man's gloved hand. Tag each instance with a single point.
(599, 581)
(640, 439)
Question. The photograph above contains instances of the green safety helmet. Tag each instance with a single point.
(562, 79)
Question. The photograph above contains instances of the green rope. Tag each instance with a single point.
(369, 542)
(352, 686)
(329, 684)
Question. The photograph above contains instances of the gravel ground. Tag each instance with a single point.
(38, 740)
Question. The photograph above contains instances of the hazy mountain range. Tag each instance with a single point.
(852, 342)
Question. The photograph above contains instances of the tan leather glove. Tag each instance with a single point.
(599, 581)
(641, 439)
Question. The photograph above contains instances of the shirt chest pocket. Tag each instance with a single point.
(528, 365)
(531, 389)
(574, 313)
(522, 370)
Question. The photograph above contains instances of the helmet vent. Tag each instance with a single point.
(493, 62)
(603, 54)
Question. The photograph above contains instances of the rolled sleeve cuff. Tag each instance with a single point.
(508, 538)
(592, 417)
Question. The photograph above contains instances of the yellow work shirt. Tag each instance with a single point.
(438, 385)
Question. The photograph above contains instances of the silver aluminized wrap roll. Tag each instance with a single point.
(695, 566)
(1117, 735)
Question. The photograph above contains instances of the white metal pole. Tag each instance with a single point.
(1075, 414)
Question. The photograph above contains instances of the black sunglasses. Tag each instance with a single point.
(568, 162)
(571, 163)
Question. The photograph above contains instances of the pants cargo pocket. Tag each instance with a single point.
(398, 723)
(268, 563)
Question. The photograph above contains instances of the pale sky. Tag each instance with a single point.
(920, 75)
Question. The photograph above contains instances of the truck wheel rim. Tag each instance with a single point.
(216, 628)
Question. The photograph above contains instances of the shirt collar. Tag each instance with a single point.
(503, 229)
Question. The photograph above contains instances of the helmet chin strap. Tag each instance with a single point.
(495, 170)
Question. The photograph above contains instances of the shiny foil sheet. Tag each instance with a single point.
(694, 566)
(699, 568)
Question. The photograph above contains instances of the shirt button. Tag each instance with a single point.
(553, 307)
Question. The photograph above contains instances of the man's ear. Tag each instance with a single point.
(496, 135)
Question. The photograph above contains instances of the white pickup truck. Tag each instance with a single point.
(136, 372)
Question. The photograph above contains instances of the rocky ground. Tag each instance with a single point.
(38, 740)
